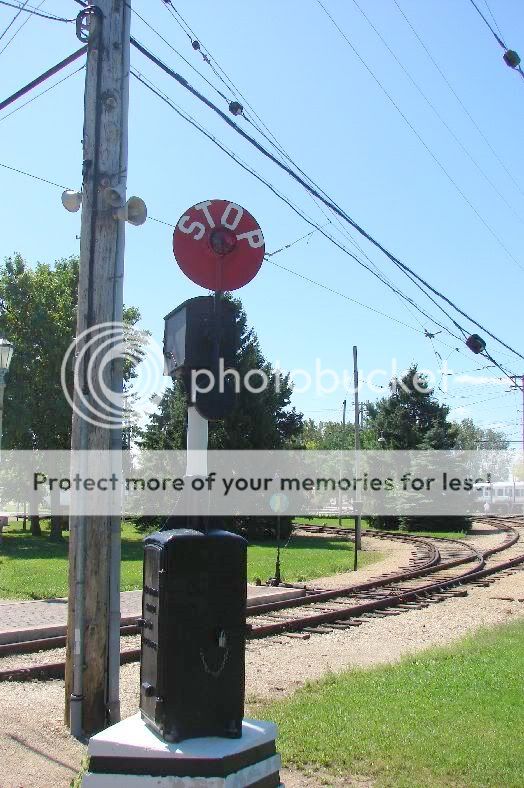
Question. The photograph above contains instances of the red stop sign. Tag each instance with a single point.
(218, 245)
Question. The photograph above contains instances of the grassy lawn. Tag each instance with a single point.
(348, 522)
(448, 717)
(35, 568)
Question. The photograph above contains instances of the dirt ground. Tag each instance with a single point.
(37, 752)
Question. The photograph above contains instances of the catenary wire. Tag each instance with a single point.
(13, 20)
(436, 112)
(34, 12)
(35, 177)
(452, 89)
(333, 206)
(17, 31)
(225, 79)
(495, 35)
(422, 141)
(494, 20)
(319, 228)
(42, 93)
(497, 38)
(187, 62)
(191, 34)
(297, 210)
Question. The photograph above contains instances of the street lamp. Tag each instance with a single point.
(6, 354)
(381, 441)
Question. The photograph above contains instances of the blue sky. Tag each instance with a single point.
(315, 95)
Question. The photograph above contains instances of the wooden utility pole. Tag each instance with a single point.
(92, 661)
(520, 386)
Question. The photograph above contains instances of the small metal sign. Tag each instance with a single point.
(218, 245)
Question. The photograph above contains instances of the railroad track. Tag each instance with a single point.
(438, 568)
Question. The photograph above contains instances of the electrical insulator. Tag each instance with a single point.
(235, 108)
(511, 58)
(195, 44)
(476, 343)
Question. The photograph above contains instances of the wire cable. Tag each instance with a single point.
(42, 78)
(43, 92)
(297, 210)
(26, 20)
(34, 12)
(35, 177)
(187, 62)
(497, 39)
(422, 141)
(438, 115)
(333, 206)
(220, 73)
(13, 20)
(450, 86)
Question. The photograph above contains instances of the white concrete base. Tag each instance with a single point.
(117, 753)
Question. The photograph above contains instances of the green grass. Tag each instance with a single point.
(349, 522)
(449, 717)
(35, 568)
(305, 558)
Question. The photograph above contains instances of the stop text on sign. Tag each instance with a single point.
(230, 219)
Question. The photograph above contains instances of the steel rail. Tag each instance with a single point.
(56, 670)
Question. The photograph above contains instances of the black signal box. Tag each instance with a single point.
(199, 332)
(192, 668)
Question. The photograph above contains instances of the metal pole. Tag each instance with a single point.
(340, 468)
(2, 390)
(92, 660)
(358, 519)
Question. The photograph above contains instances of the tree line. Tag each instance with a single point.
(38, 306)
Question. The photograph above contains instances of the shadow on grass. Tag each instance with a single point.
(20, 545)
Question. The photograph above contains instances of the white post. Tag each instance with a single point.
(358, 519)
(92, 663)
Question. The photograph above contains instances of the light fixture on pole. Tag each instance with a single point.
(381, 441)
(6, 354)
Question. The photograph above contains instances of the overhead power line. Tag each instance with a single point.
(436, 112)
(452, 89)
(35, 177)
(42, 93)
(194, 123)
(42, 78)
(509, 55)
(374, 271)
(26, 20)
(34, 12)
(422, 141)
(325, 200)
(13, 20)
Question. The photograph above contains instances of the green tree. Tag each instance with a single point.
(327, 435)
(38, 310)
(411, 418)
(471, 437)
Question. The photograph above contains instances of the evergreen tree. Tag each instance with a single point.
(259, 420)
(411, 418)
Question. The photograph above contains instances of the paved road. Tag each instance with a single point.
(17, 617)
(48, 617)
